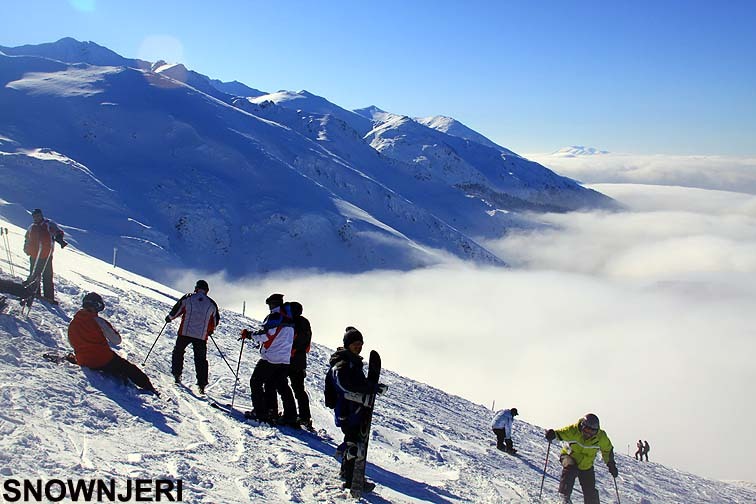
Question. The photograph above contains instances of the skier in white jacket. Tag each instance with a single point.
(502, 427)
(272, 370)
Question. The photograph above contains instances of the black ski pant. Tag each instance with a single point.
(351, 440)
(297, 378)
(587, 479)
(42, 269)
(200, 358)
(267, 380)
(639, 454)
(121, 368)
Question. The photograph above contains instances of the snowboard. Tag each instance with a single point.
(358, 478)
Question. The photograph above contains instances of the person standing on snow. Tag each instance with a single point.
(199, 318)
(584, 440)
(502, 428)
(91, 337)
(39, 246)
(271, 371)
(298, 363)
(639, 451)
(348, 378)
(646, 449)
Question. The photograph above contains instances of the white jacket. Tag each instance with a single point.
(199, 315)
(503, 420)
(276, 341)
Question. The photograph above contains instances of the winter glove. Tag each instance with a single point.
(381, 388)
(168, 318)
(612, 468)
(245, 334)
(550, 435)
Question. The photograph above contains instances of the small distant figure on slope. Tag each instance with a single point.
(646, 449)
(502, 428)
(199, 318)
(584, 440)
(298, 364)
(271, 371)
(91, 336)
(639, 451)
(348, 378)
(39, 246)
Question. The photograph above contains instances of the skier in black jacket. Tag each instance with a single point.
(348, 377)
(298, 363)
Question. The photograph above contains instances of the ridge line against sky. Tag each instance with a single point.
(670, 78)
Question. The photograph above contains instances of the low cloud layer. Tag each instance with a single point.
(727, 173)
(644, 317)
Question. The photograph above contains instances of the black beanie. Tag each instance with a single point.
(351, 335)
(201, 284)
(275, 300)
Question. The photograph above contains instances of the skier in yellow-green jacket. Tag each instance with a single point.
(583, 440)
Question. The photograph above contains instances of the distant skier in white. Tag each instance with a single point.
(502, 427)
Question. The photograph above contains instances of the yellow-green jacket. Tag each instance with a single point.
(584, 450)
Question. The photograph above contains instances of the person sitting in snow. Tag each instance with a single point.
(583, 440)
(502, 428)
(91, 336)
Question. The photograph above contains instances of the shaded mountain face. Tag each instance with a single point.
(156, 160)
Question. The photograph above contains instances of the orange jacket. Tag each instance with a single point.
(39, 239)
(87, 335)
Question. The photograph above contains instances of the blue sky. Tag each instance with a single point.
(675, 77)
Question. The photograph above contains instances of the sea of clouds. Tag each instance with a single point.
(643, 316)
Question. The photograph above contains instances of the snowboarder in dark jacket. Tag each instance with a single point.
(348, 377)
(298, 363)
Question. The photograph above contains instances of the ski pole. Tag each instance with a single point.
(153, 345)
(233, 395)
(221, 354)
(7, 249)
(544, 471)
(616, 489)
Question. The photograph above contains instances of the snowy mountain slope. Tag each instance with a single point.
(60, 421)
(507, 181)
(236, 88)
(437, 196)
(70, 50)
(451, 126)
(186, 180)
(304, 100)
(184, 173)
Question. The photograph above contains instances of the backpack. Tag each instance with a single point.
(329, 390)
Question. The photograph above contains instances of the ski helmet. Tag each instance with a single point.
(93, 301)
(590, 421)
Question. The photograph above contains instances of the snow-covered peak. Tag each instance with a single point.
(453, 127)
(313, 104)
(578, 150)
(373, 113)
(70, 50)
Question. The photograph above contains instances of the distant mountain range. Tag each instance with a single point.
(178, 170)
